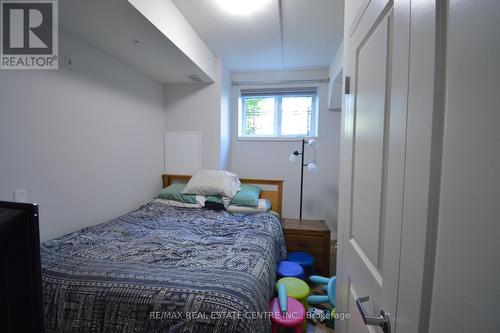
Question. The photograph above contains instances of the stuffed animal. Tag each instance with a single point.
(316, 315)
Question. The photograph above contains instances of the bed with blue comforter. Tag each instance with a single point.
(163, 269)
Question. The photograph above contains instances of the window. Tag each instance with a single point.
(278, 114)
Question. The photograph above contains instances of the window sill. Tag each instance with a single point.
(274, 139)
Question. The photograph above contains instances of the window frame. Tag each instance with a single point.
(278, 97)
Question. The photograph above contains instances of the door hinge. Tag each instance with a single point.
(347, 85)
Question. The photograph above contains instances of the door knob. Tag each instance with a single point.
(382, 320)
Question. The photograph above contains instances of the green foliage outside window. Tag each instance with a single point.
(253, 110)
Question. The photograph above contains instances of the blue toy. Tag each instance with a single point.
(304, 259)
(328, 286)
(283, 297)
(290, 269)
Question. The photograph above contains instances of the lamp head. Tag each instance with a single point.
(293, 156)
(314, 144)
(312, 167)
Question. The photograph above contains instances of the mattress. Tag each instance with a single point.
(163, 269)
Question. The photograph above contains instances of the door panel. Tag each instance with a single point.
(370, 114)
(369, 125)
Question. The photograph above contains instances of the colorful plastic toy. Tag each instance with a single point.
(304, 259)
(286, 319)
(290, 269)
(283, 297)
(328, 286)
(296, 289)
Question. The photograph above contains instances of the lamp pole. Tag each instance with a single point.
(302, 177)
(311, 166)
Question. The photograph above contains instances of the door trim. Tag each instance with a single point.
(423, 172)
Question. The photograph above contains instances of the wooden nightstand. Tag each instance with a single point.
(312, 236)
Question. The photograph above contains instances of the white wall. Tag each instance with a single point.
(335, 84)
(194, 107)
(467, 268)
(85, 143)
(269, 159)
(225, 136)
(165, 16)
(200, 108)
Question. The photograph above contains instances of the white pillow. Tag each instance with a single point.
(200, 202)
(213, 182)
(263, 207)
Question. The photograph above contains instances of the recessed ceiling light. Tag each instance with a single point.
(242, 7)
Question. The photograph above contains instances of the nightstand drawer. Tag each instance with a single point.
(322, 264)
(305, 243)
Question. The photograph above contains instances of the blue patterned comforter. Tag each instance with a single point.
(163, 269)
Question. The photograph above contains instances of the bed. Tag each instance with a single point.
(165, 269)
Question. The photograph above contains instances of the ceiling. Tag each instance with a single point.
(312, 31)
(118, 28)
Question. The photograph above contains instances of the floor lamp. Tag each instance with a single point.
(311, 166)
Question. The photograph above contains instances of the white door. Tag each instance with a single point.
(372, 163)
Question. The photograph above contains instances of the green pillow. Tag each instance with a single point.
(174, 192)
(215, 199)
(247, 196)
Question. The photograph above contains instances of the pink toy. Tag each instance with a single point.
(292, 318)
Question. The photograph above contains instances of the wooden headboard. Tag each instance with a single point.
(275, 195)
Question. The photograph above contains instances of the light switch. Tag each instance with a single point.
(68, 62)
(20, 196)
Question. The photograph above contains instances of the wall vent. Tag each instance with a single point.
(195, 78)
